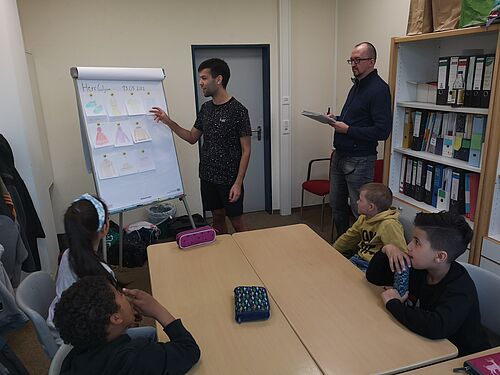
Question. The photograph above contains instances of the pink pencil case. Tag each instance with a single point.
(194, 237)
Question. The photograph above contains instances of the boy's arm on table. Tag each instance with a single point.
(448, 316)
(450, 313)
(350, 239)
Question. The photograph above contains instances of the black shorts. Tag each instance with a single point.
(215, 197)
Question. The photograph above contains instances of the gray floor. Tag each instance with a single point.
(25, 343)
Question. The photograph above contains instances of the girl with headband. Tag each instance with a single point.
(86, 223)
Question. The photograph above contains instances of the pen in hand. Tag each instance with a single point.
(328, 112)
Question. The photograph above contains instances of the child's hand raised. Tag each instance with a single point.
(398, 260)
(142, 302)
(146, 305)
(391, 293)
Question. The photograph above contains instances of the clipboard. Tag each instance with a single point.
(318, 117)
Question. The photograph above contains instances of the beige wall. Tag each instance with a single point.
(150, 33)
(154, 33)
(313, 36)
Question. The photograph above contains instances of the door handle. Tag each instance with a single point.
(259, 132)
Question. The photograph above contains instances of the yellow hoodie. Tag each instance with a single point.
(369, 235)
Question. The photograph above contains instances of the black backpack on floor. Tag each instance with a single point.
(182, 223)
(134, 252)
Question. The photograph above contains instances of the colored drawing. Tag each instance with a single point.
(122, 136)
(101, 139)
(144, 160)
(134, 105)
(107, 168)
(115, 106)
(126, 165)
(93, 107)
(140, 133)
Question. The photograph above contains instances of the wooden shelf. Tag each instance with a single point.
(443, 108)
(423, 206)
(446, 34)
(495, 237)
(438, 159)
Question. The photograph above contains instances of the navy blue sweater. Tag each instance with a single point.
(138, 356)
(367, 111)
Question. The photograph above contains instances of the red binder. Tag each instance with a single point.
(485, 365)
(474, 186)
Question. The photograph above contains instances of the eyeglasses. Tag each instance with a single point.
(357, 61)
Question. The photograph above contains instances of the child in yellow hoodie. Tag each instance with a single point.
(378, 225)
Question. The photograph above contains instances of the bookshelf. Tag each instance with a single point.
(415, 59)
(443, 108)
(438, 159)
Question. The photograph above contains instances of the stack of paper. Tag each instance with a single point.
(318, 117)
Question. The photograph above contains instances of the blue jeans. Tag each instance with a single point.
(348, 174)
(359, 262)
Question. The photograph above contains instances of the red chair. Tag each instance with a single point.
(317, 187)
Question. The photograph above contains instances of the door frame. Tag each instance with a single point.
(266, 104)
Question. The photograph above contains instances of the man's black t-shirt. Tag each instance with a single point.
(222, 127)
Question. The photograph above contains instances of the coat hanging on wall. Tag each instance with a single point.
(26, 215)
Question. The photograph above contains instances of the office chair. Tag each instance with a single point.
(34, 296)
(487, 286)
(56, 363)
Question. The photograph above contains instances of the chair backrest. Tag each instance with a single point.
(488, 290)
(11, 316)
(34, 296)
(56, 363)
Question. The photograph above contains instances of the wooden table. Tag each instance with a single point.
(448, 366)
(336, 313)
(197, 286)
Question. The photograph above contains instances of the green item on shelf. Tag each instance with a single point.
(475, 12)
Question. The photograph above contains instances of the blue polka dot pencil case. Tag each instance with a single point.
(402, 281)
(250, 303)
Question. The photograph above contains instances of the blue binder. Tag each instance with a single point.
(438, 182)
(476, 143)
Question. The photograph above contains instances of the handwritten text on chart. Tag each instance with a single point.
(132, 88)
(98, 87)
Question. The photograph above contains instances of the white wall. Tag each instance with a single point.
(20, 127)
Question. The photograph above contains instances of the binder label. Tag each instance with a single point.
(488, 72)
(478, 73)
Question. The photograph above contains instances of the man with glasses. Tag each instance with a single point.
(365, 119)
